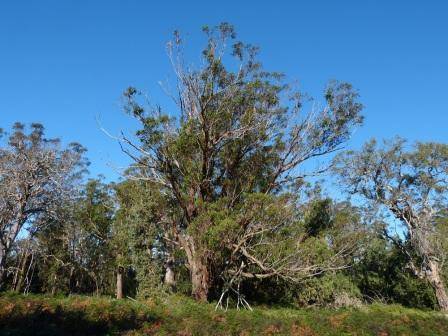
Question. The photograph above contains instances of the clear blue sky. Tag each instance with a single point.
(62, 63)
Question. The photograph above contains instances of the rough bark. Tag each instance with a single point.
(119, 293)
(422, 244)
(437, 284)
(200, 278)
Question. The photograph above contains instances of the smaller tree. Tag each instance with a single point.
(36, 176)
(412, 186)
(270, 237)
(381, 275)
(78, 250)
(138, 235)
(95, 212)
(303, 261)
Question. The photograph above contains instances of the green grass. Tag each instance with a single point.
(82, 315)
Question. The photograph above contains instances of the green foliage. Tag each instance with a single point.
(139, 238)
(318, 217)
(241, 135)
(331, 289)
(76, 253)
(382, 275)
(409, 187)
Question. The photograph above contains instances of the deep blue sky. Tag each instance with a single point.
(63, 63)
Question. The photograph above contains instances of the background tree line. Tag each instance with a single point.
(223, 202)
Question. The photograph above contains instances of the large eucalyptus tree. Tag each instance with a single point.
(240, 130)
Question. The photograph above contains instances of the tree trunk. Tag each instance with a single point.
(5, 244)
(70, 280)
(200, 278)
(437, 284)
(120, 282)
(20, 269)
(21, 276)
(2, 265)
(170, 280)
(54, 286)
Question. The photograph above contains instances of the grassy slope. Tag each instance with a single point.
(80, 315)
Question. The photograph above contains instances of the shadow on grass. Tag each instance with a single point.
(61, 322)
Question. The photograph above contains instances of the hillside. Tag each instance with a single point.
(82, 315)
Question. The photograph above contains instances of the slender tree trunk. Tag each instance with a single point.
(29, 279)
(27, 289)
(5, 244)
(20, 270)
(119, 282)
(437, 284)
(2, 265)
(170, 280)
(16, 274)
(70, 280)
(53, 288)
(21, 276)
